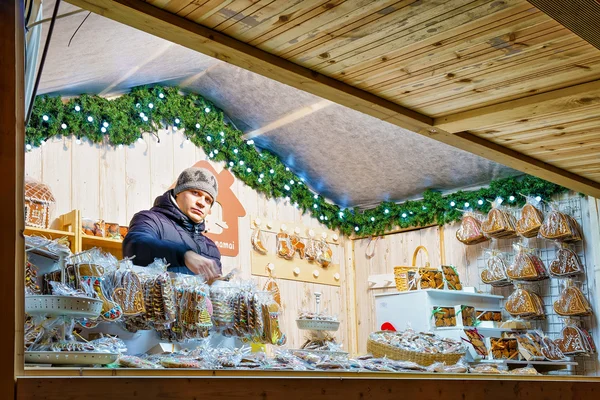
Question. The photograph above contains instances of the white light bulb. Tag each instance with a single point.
(287, 169)
(211, 154)
(231, 164)
(120, 146)
(222, 133)
(341, 215)
(480, 202)
(216, 151)
(286, 187)
(138, 105)
(315, 206)
(145, 119)
(242, 162)
(248, 170)
(452, 204)
(372, 219)
(386, 211)
(45, 118)
(403, 215)
(142, 115)
(150, 106)
(208, 138)
(77, 108)
(424, 208)
(321, 218)
(197, 126)
(207, 110)
(105, 124)
(187, 140)
(511, 198)
(64, 126)
(42, 142)
(272, 171)
(316, 196)
(222, 140)
(325, 218)
(90, 118)
(287, 198)
(259, 180)
(250, 142)
(291, 181)
(538, 198)
(78, 141)
(162, 96)
(262, 175)
(500, 201)
(141, 140)
(174, 128)
(235, 151)
(356, 228)
(295, 205)
(177, 120)
(467, 204)
(28, 146)
(103, 130)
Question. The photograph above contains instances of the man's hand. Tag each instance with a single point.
(201, 265)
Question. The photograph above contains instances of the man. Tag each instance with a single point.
(173, 228)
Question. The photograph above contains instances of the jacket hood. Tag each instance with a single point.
(165, 204)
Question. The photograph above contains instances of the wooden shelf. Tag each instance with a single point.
(98, 241)
(540, 366)
(450, 294)
(32, 231)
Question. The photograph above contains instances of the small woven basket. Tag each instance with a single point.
(379, 350)
(404, 276)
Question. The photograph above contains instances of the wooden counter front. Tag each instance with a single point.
(291, 385)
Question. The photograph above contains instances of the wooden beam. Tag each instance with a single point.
(12, 115)
(557, 101)
(145, 17)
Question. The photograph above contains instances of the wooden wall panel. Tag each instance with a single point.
(115, 183)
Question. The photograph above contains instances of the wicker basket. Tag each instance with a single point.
(404, 276)
(380, 350)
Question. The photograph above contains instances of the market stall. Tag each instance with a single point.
(481, 290)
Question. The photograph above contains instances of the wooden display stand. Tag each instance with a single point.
(70, 228)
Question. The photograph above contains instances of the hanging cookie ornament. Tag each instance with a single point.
(470, 232)
(311, 251)
(297, 243)
(272, 287)
(560, 226)
(572, 302)
(500, 223)
(566, 263)
(256, 238)
(93, 275)
(531, 219)
(495, 273)
(325, 254)
(129, 292)
(284, 244)
(527, 266)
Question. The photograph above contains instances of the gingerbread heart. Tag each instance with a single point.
(572, 341)
(470, 231)
(495, 273)
(567, 263)
(538, 305)
(530, 222)
(572, 302)
(550, 350)
(499, 224)
(559, 226)
(520, 304)
(526, 267)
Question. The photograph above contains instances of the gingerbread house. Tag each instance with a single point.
(38, 200)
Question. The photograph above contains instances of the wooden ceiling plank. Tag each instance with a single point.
(444, 65)
(554, 142)
(172, 6)
(312, 10)
(379, 43)
(206, 10)
(572, 154)
(331, 35)
(289, 36)
(516, 88)
(547, 128)
(283, 20)
(583, 164)
(243, 17)
(480, 30)
(170, 27)
(496, 69)
(265, 16)
(557, 101)
(212, 18)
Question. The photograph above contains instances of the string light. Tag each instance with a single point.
(141, 139)
(77, 108)
(538, 198)
(146, 120)
(241, 162)
(150, 106)
(78, 141)
(386, 211)
(403, 215)
(291, 181)
(372, 219)
(259, 180)
(424, 208)
(209, 139)
(105, 124)
(120, 146)
(231, 164)
(138, 105)
(216, 151)
(315, 206)
(63, 125)
(90, 118)
(42, 142)
(321, 218)
(28, 146)
(103, 130)
(235, 151)
(511, 198)
(197, 126)
(262, 175)
(174, 128)
(356, 228)
(162, 96)
(250, 142)
(142, 115)
(286, 187)
(287, 169)
(248, 170)
(272, 171)
(316, 196)
(341, 214)
(207, 110)
(452, 204)
(467, 204)
(222, 133)
(45, 118)
(480, 202)
(177, 120)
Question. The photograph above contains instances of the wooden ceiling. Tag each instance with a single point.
(498, 78)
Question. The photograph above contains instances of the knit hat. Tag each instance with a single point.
(197, 178)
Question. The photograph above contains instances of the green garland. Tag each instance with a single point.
(146, 109)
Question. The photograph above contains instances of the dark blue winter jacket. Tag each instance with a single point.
(166, 232)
